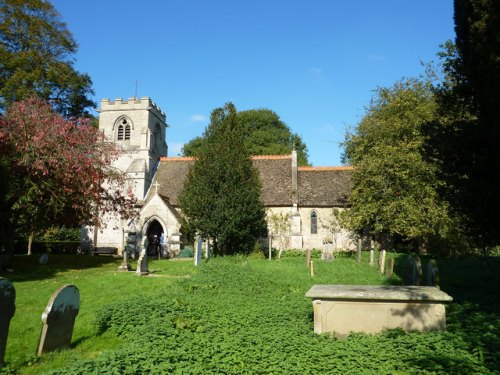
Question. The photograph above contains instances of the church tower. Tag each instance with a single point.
(137, 127)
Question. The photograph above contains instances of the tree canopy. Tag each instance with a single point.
(396, 189)
(221, 196)
(36, 58)
(55, 170)
(264, 134)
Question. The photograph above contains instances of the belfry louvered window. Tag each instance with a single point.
(314, 222)
(123, 130)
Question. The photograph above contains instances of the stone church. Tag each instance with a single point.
(138, 127)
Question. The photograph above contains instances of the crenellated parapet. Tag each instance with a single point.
(130, 104)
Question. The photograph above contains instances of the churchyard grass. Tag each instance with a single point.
(243, 315)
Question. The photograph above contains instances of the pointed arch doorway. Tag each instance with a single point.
(155, 235)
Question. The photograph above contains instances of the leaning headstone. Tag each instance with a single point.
(413, 274)
(58, 319)
(432, 274)
(142, 263)
(7, 310)
(44, 258)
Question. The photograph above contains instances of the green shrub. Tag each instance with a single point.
(186, 252)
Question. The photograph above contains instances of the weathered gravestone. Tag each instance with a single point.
(389, 267)
(58, 319)
(358, 251)
(198, 250)
(308, 258)
(413, 274)
(432, 274)
(7, 310)
(125, 266)
(44, 258)
(142, 263)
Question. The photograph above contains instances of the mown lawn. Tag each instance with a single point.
(242, 315)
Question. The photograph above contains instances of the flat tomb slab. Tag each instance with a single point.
(341, 309)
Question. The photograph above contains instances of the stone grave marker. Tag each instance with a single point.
(382, 261)
(208, 249)
(198, 250)
(389, 267)
(125, 266)
(432, 274)
(142, 263)
(7, 310)
(44, 258)
(358, 252)
(413, 274)
(58, 319)
(372, 253)
(308, 258)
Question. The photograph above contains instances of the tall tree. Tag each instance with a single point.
(395, 188)
(221, 196)
(36, 58)
(58, 171)
(264, 134)
(475, 71)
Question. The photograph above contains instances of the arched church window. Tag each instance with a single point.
(314, 222)
(124, 129)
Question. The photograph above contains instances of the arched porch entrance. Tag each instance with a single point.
(156, 236)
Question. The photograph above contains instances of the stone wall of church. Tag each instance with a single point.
(320, 240)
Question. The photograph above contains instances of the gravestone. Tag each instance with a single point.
(432, 274)
(327, 256)
(382, 261)
(208, 249)
(7, 310)
(308, 258)
(58, 319)
(358, 253)
(389, 268)
(372, 253)
(413, 274)
(142, 263)
(125, 266)
(198, 251)
(44, 258)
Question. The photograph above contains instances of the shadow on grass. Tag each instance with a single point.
(474, 314)
(28, 268)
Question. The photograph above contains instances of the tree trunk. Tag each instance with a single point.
(30, 241)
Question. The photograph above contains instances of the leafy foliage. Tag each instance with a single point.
(396, 188)
(55, 170)
(468, 145)
(250, 316)
(36, 56)
(221, 196)
(264, 134)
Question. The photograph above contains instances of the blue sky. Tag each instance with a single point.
(315, 63)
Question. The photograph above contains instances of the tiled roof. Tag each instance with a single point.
(317, 186)
(324, 187)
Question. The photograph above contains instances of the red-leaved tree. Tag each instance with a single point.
(55, 170)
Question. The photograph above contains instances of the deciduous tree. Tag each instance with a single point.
(55, 170)
(36, 58)
(264, 134)
(396, 189)
(221, 196)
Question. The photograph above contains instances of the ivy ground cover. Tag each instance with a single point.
(240, 315)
